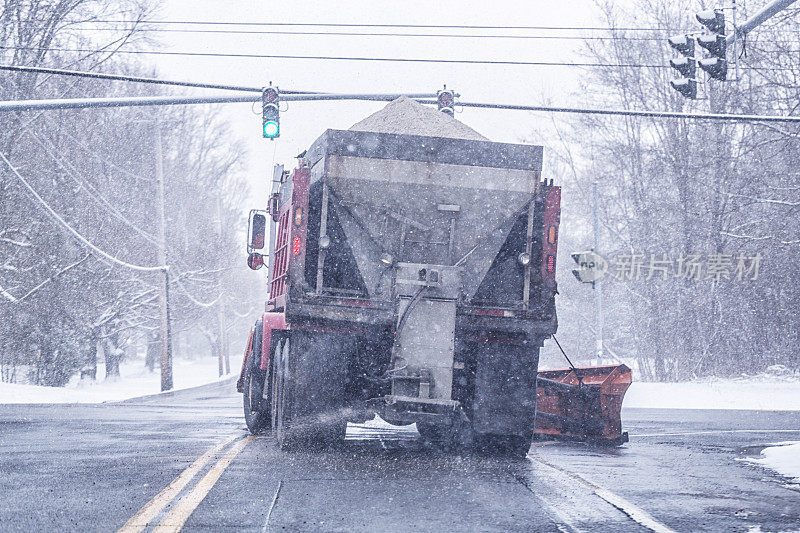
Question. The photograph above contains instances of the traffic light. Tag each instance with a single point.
(716, 66)
(270, 115)
(686, 66)
(683, 44)
(713, 19)
(445, 99)
(688, 88)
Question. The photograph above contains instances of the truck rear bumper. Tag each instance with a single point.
(405, 409)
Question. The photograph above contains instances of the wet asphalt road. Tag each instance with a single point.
(94, 467)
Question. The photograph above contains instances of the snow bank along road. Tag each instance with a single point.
(185, 462)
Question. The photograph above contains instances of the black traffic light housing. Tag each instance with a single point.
(715, 67)
(683, 44)
(713, 19)
(270, 114)
(716, 45)
(687, 66)
(445, 100)
(687, 87)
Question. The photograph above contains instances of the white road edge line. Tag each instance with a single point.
(566, 525)
(265, 529)
(635, 513)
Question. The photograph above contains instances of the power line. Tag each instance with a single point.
(631, 113)
(377, 59)
(72, 172)
(197, 302)
(390, 34)
(97, 156)
(77, 235)
(353, 25)
(137, 79)
(381, 34)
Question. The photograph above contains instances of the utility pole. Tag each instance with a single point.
(222, 355)
(224, 358)
(166, 334)
(596, 289)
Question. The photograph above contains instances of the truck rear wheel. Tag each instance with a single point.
(299, 420)
(256, 411)
(255, 416)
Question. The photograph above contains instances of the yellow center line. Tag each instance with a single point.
(151, 509)
(176, 518)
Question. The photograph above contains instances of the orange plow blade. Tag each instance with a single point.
(582, 406)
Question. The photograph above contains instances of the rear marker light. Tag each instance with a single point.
(551, 263)
(296, 246)
(551, 234)
(298, 216)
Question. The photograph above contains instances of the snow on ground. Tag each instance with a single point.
(755, 394)
(135, 380)
(783, 458)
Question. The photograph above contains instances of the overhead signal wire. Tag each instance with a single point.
(375, 59)
(400, 34)
(422, 98)
(387, 34)
(86, 103)
(628, 112)
(364, 25)
(137, 79)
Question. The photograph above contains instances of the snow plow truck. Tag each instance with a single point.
(411, 274)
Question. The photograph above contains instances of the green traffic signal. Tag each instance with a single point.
(270, 112)
(271, 129)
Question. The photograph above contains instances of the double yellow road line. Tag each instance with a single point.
(174, 520)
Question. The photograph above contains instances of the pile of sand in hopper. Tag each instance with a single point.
(405, 116)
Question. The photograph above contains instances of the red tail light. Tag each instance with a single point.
(552, 215)
(296, 246)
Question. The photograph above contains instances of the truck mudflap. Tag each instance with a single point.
(582, 403)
